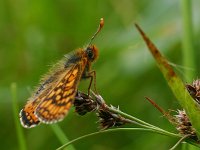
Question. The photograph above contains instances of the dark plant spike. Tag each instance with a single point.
(184, 126)
(108, 119)
(84, 104)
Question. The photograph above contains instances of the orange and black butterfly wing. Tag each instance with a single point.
(60, 73)
(27, 116)
(56, 104)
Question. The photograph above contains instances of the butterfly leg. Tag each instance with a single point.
(92, 76)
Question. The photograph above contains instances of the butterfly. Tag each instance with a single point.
(53, 98)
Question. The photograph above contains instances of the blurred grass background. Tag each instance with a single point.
(35, 34)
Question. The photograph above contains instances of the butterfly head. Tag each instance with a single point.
(91, 53)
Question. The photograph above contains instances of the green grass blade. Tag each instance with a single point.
(186, 146)
(175, 83)
(187, 39)
(20, 135)
(61, 136)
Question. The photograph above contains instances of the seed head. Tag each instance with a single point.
(194, 90)
(183, 124)
(84, 103)
(108, 119)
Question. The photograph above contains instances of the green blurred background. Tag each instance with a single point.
(35, 34)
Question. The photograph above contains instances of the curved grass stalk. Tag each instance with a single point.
(179, 141)
(128, 129)
(114, 130)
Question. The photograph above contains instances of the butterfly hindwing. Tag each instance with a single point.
(27, 116)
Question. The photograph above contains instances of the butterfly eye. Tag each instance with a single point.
(90, 53)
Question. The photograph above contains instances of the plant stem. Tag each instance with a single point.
(20, 135)
(61, 136)
(139, 122)
(114, 110)
(187, 40)
(151, 127)
(135, 120)
(179, 141)
(131, 119)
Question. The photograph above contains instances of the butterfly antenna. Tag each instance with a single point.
(101, 24)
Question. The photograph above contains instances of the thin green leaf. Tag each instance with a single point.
(187, 38)
(175, 83)
(187, 146)
(20, 135)
(61, 135)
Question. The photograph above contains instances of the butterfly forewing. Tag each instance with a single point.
(57, 102)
